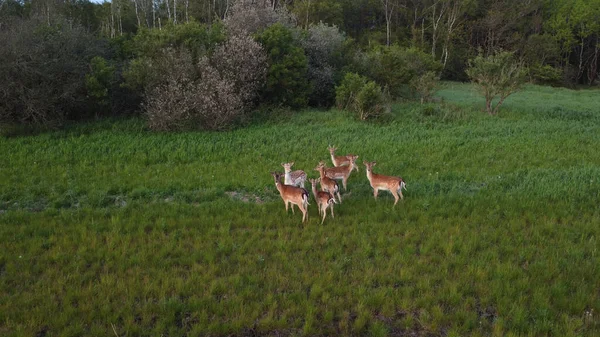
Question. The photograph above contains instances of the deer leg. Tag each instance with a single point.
(395, 196)
(286, 206)
(375, 191)
(344, 183)
(333, 216)
(304, 215)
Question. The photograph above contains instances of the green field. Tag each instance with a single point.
(108, 229)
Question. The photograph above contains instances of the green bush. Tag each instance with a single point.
(545, 74)
(497, 75)
(287, 82)
(347, 90)
(425, 85)
(396, 68)
(100, 80)
(362, 97)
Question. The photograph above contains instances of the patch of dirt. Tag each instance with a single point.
(245, 197)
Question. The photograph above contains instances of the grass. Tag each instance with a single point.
(108, 229)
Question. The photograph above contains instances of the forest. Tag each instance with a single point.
(71, 60)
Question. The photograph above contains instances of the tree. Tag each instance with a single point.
(498, 75)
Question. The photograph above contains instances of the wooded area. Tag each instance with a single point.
(556, 37)
(556, 40)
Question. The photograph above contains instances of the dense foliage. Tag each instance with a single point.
(496, 76)
(287, 83)
(43, 71)
(403, 46)
(361, 96)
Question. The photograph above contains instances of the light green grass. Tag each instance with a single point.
(107, 226)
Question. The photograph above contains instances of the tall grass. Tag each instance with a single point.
(109, 229)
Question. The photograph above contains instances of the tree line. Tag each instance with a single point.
(66, 57)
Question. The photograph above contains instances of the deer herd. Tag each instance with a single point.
(292, 189)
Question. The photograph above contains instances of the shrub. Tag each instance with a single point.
(145, 69)
(322, 45)
(100, 80)
(497, 75)
(215, 94)
(347, 90)
(397, 68)
(43, 71)
(287, 82)
(424, 85)
(364, 98)
(545, 74)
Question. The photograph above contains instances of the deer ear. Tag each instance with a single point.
(365, 162)
(292, 164)
(374, 163)
(282, 164)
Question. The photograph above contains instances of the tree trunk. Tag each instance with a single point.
(580, 70)
(307, 12)
(187, 5)
(175, 12)
(137, 13)
(497, 107)
(593, 68)
(153, 14)
(168, 9)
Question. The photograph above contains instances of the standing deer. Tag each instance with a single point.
(292, 194)
(341, 172)
(339, 160)
(324, 199)
(294, 178)
(385, 183)
(327, 184)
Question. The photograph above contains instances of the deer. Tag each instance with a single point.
(385, 183)
(327, 184)
(339, 160)
(341, 172)
(293, 195)
(293, 178)
(324, 199)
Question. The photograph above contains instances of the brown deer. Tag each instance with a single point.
(294, 178)
(292, 194)
(324, 199)
(341, 172)
(385, 183)
(327, 184)
(339, 160)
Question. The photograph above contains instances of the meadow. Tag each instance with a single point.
(109, 229)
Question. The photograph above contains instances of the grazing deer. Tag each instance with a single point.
(292, 194)
(385, 183)
(324, 199)
(327, 184)
(295, 178)
(341, 172)
(339, 160)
